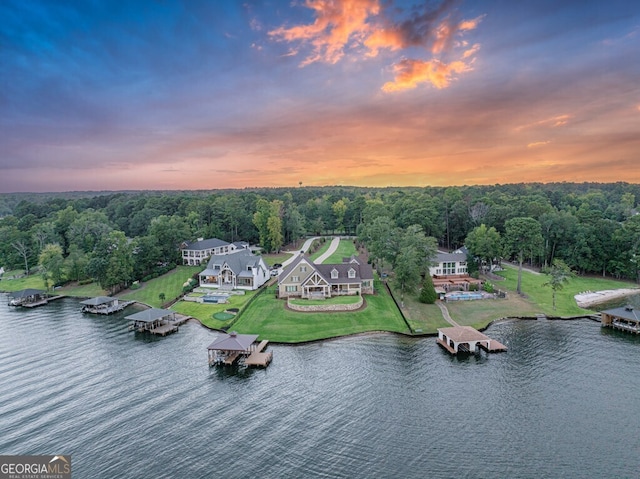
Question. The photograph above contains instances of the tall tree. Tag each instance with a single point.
(484, 243)
(51, 265)
(559, 273)
(522, 236)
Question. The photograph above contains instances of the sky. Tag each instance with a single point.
(162, 94)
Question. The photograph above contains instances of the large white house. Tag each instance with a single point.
(197, 252)
(450, 264)
(239, 269)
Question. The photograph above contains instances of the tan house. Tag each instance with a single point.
(304, 279)
(198, 252)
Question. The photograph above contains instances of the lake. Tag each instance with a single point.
(564, 401)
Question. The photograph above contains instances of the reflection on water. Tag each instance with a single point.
(562, 402)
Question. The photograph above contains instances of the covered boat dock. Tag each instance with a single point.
(625, 319)
(466, 339)
(30, 298)
(227, 349)
(155, 321)
(103, 305)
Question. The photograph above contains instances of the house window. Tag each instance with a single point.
(249, 268)
(303, 269)
(291, 289)
(352, 273)
(334, 273)
(449, 268)
(295, 279)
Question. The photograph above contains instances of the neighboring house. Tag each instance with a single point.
(304, 279)
(239, 269)
(198, 252)
(450, 264)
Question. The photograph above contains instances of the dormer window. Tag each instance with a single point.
(334, 273)
(352, 273)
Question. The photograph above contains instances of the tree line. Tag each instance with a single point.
(119, 237)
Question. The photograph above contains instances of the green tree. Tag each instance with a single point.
(75, 264)
(522, 236)
(407, 276)
(339, 210)
(51, 265)
(484, 243)
(428, 293)
(559, 273)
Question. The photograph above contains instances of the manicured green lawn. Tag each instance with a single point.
(90, 290)
(10, 285)
(335, 300)
(423, 318)
(170, 284)
(272, 259)
(321, 250)
(541, 296)
(480, 313)
(268, 317)
(346, 248)
(204, 311)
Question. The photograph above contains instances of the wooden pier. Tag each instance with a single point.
(258, 358)
(465, 339)
(31, 298)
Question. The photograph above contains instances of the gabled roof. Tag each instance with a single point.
(205, 244)
(25, 293)
(98, 300)
(293, 265)
(233, 342)
(449, 257)
(240, 244)
(363, 271)
(626, 312)
(237, 261)
(149, 315)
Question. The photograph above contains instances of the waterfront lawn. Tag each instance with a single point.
(423, 318)
(268, 317)
(346, 248)
(204, 312)
(542, 297)
(11, 285)
(325, 302)
(90, 290)
(480, 313)
(170, 284)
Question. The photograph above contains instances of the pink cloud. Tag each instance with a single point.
(411, 73)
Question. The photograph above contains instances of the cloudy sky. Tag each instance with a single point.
(162, 94)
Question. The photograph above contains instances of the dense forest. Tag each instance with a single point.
(118, 237)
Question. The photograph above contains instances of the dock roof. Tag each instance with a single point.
(463, 334)
(150, 315)
(26, 293)
(625, 312)
(98, 300)
(233, 342)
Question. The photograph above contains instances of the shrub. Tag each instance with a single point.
(428, 293)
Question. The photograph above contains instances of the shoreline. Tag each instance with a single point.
(593, 298)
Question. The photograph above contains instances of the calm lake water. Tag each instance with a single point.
(564, 401)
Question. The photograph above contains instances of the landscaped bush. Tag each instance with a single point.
(488, 287)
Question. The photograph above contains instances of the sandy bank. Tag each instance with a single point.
(591, 298)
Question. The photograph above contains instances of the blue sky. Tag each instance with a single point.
(180, 95)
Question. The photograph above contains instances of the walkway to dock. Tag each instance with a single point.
(445, 314)
(257, 357)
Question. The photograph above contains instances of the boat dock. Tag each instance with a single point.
(623, 319)
(156, 321)
(465, 339)
(104, 305)
(31, 298)
(232, 348)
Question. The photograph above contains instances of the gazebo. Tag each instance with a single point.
(228, 348)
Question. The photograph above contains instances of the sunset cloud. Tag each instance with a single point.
(538, 144)
(365, 28)
(411, 73)
(551, 122)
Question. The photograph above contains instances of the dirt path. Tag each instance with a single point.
(445, 314)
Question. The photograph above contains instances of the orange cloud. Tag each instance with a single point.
(411, 73)
(552, 122)
(342, 24)
(537, 144)
(336, 24)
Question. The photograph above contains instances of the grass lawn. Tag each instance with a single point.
(10, 285)
(541, 296)
(272, 259)
(423, 318)
(480, 313)
(268, 317)
(325, 302)
(170, 284)
(90, 290)
(346, 248)
(204, 311)
(321, 250)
